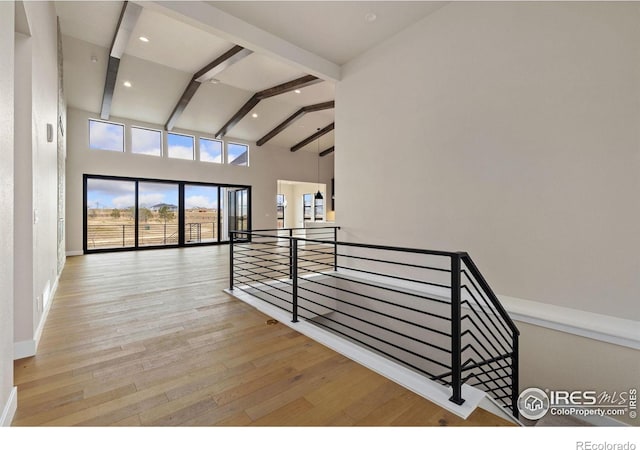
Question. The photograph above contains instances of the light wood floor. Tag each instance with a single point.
(149, 338)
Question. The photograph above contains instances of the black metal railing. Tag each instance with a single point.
(431, 311)
(149, 234)
(111, 235)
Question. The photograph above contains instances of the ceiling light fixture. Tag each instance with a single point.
(94, 59)
(214, 81)
(370, 17)
(297, 91)
(144, 38)
(254, 115)
(127, 84)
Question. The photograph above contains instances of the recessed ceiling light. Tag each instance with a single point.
(144, 38)
(94, 59)
(297, 91)
(214, 81)
(254, 115)
(370, 17)
(127, 84)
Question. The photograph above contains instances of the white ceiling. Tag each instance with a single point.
(335, 30)
(160, 70)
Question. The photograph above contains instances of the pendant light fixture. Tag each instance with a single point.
(318, 195)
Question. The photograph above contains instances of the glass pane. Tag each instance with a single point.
(110, 214)
(236, 205)
(179, 146)
(210, 150)
(224, 219)
(201, 214)
(307, 201)
(146, 142)
(319, 209)
(238, 154)
(106, 136)
(280, 210)
(243, 210)
(157, 214)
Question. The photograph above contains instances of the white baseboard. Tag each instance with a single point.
(10, 408)
(74, 253)
(28, 348)
(613, 330)
(602, 421)
(600, 327)
(24, 349)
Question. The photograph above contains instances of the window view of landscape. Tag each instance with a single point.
(201, 214)
(111, 214)
(157, 214)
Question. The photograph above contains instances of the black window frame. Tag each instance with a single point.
(121, 125)
(181, 211)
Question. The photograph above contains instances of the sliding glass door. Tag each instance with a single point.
(110, 215)
(201, 213)
(237, 210)
(157, 214)
(128, 213)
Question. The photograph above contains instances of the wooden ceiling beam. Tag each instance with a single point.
(237, 117)
(292, 118)
(327, 151)
(289, 86)
(208, 72)
(283, 88)
(313, 137)
(221, 63)
(187, 95)
(127, 21)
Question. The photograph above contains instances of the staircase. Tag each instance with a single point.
(428, 313)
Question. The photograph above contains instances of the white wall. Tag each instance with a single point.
(6, 205)
(267, 165)
(35, 263)
(23, 192)
(511, 132)
(513, 135)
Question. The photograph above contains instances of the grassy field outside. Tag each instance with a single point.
(115, 228)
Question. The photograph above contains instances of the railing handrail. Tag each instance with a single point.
(466, 258)
(294, 228)
(357, 244)
(497, 339)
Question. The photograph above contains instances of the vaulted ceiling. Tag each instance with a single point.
(169, 77)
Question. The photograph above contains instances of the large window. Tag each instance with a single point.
(146, 142)
(179, 146)
(211, 150)
(106, 136)
(307, 206)
(110, 215)
(131, 213)
(237, 154)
